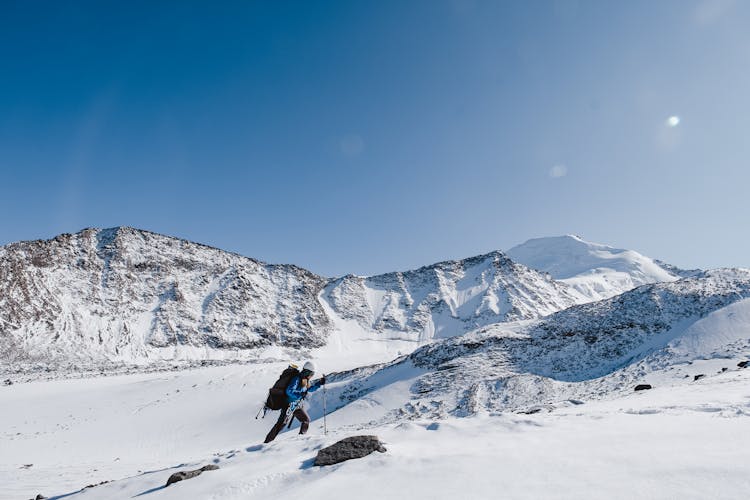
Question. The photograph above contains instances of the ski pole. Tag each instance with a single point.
(262, 408)
(325, 429)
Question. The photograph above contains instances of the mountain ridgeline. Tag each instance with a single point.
(668, 332)
(124, 294)
(128, 296)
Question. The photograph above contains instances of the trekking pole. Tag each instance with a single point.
(262, 408)
(325, 428)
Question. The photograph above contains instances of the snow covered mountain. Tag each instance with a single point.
(134, 296)
(100, 298)
(588, 351)
(447, 298)
(596, 271)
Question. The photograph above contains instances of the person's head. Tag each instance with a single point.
(308, 370)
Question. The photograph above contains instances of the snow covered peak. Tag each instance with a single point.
(584, 352)
(124, 295)
(447, 298)
(569, 256)
(597, 271)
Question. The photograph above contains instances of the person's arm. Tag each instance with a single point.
(295, 390)
(316, 385)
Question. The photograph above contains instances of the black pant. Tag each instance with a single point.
(300, 414)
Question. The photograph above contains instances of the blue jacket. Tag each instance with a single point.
(295, 392)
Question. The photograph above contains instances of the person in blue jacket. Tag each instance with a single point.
(297, 389)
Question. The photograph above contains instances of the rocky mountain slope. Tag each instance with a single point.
(125, 294)
(122, 295)
(586, 351)
(448, 298)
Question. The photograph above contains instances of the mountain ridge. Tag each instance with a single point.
(124, 295)
(665, 332)
(128, 295)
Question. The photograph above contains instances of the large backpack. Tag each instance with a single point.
(277, 398)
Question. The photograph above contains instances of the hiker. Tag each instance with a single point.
(290, 393)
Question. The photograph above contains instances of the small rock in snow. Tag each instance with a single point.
(698, 377)
(743, 364)
(97, 484)
(189, 474)
(349, 448)
(642, 387)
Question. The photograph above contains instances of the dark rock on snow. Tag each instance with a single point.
(189, 474)
(698, 377)
(97, 484)
(349, 448)
(642, 387)
(743, 364)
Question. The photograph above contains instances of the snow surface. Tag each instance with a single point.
(675, 441)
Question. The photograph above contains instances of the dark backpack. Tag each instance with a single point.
(277, 398)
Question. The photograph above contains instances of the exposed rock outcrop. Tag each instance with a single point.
(189, 474)
(349, 448)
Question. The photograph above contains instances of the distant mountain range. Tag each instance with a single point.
(103, 297)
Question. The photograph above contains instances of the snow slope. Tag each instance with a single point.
(596, 271)
(599, 349)
(679, 440)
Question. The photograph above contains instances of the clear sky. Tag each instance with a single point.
(370, 136)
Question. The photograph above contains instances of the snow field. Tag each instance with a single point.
(687, 441)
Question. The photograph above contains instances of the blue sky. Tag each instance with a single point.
(373, 136)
